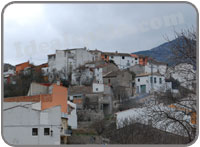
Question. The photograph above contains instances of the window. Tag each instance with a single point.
(46, 131)
(151, 79)
(133, 84)
(138, 80)
(105, 56)
(123, 57)
(109, 81)
(34, 131)
(154, 80)
(160, 80)
(97, 89)
(135, 58)
(112, 57)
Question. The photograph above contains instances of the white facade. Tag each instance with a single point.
(98, 74)
(96, 87)
(72, 117)
(149, 83)
(69, 59)
(150, 67)
(123, 62)
(23, 125)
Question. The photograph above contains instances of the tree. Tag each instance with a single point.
(23, 81)
(177, 111)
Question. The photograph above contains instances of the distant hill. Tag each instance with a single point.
(8, 66)
(161, 53)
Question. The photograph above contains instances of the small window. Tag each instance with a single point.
(133, 84)
(105, 56)
(112, 57)
(97, 89)
(154, 80)
(123, 57)
(135, 58)
(34, 131)
(151, 79)
(46, 131)
(138, 80)
(160, 80)
(109, 81)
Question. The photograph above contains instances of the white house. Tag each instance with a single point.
(72, 116)
(147, 83)
(98, 75)
(122, 60)
(69, 59)
(24, 125)
(155, 66)
(97, 87)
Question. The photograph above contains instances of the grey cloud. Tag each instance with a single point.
(108, 27)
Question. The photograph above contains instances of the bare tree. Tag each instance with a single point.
(176, 112)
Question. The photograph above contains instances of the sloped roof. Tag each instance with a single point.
(148, 74)
(115, 54)
(112, 74)
(153, 61)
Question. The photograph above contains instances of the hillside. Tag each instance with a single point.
(161, 53)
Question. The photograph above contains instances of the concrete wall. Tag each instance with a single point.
(98, 73)
(137, 69)
(66, 59)
(123, 63)
(145, 80)
(59, 98)
(109, 67)
(97, 87)
(21, 120)
(36, 89)
(162, 69)
(72, 117)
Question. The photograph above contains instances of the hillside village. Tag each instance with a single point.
(83, 96)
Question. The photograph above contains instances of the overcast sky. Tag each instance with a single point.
(32, 31)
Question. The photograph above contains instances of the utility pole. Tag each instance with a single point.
(151, 80)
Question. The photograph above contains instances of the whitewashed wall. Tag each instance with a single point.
(98, 87)
(72, 118)
(122, 63)
(145, 80)
(19, 121)
(98, 73)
